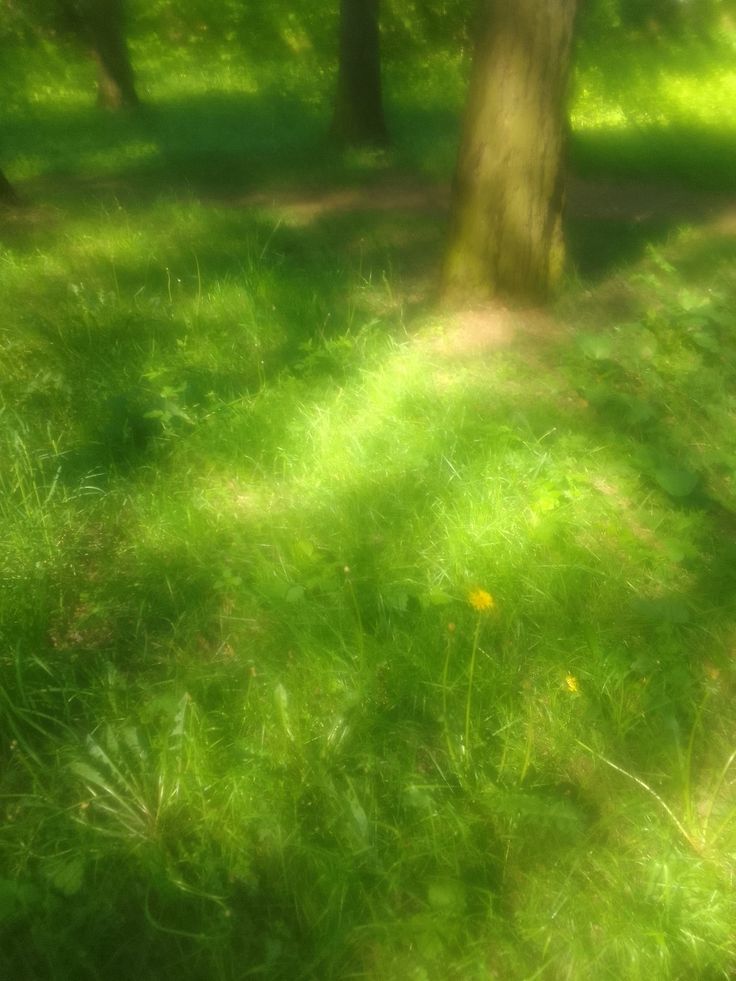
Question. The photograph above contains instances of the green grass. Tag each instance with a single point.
(663, 114)
(250, 724)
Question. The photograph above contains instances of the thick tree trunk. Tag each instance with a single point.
(506, 218)
(358, 117)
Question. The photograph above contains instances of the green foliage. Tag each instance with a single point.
(656, 18)
(279, 27)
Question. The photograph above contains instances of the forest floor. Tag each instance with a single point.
(343, 635)
(595, 199)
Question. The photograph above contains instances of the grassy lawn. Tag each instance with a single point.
(341, 637)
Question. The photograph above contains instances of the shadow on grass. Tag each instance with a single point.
(596, 247)
(218, 142)
(700, 157)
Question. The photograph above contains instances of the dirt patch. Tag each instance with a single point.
(307, 205)
(495, 326)
(603, 199)
(599, 199)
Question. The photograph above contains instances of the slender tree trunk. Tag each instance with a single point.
(506, 218)
(7, 194)
(100, 25)
(115, 81)
(358, 117)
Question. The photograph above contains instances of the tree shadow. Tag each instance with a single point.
(699, 157)
(595, 247)
(219, 142)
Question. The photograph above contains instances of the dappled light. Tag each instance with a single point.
(342, 634)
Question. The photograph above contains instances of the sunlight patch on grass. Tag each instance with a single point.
(688, 86)
(709, 101)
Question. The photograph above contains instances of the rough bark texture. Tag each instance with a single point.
(358, 117)
(100, 25)
(506, 217)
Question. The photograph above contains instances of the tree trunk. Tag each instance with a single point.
(115, 82)
(506, 217)
(7, 194)
(100, 25)
(358, 118)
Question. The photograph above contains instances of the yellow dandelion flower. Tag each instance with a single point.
(571, 682)
(481, 601)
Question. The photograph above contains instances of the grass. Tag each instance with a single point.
(663, 117)
(251, 723)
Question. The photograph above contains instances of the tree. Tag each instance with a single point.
(506, 217)
(358, 116)
(100, 25)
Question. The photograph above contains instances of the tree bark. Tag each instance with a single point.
(508, 192)
(100, 24)
(358, 118)
(115, 81)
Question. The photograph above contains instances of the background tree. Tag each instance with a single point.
(100, 25)
(358, 117)
(506, 218)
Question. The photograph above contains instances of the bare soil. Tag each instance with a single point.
(599, 199)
